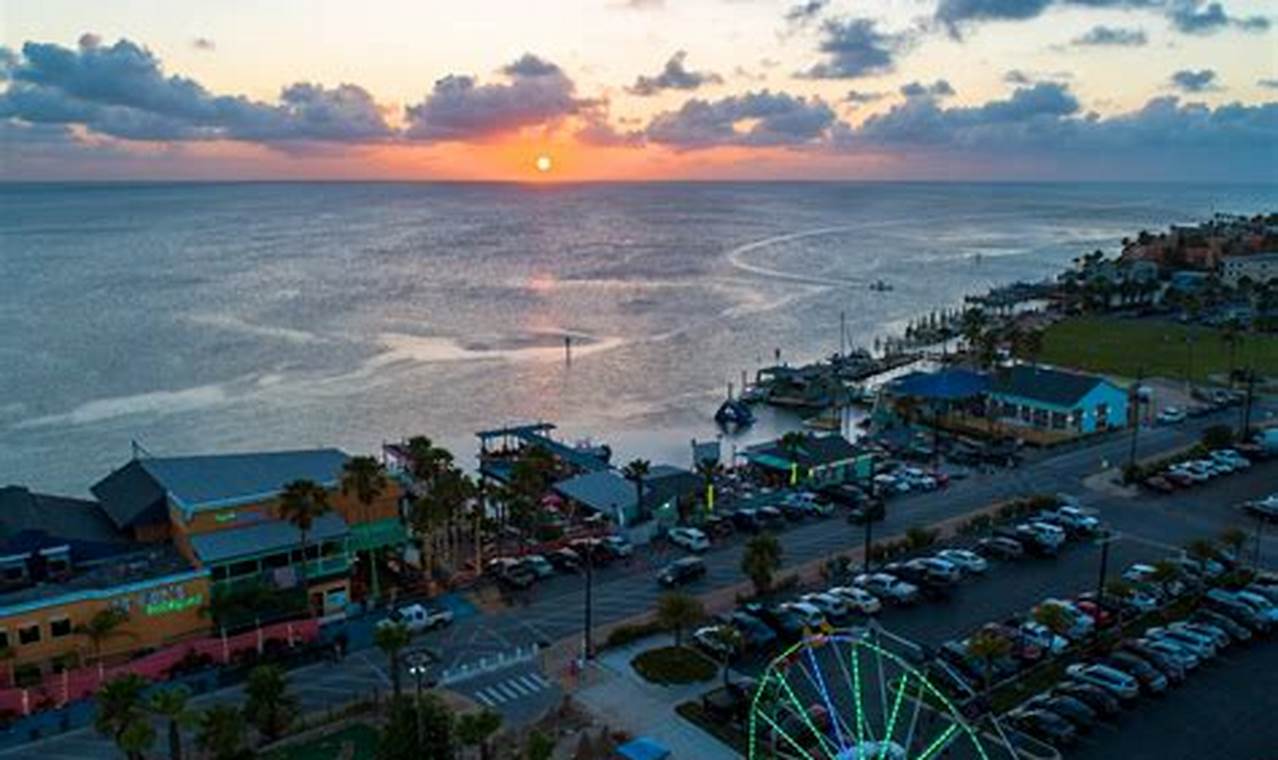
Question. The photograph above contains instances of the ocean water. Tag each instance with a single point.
(213, 317)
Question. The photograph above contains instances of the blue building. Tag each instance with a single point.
(1045, 398)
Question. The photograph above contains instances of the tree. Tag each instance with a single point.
(986, 647)
(677, 611)
(268, 705)
(919, 537)
(733, 642)
(972, 327)
(427, 459)
(121, 716)
(1234, 539)
(1164, 573)
(366, 479)
(475, 729)
(418, 728)
(171, 704)
(1232, 335)
(103, 626)
(540, 746)
(301, 504)
(1218, 437)
(222, 734)
(635, 472)
(391, 639)
(761, 560)
(1201, 549)
(1055, 618)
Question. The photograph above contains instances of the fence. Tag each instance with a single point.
(57, 689)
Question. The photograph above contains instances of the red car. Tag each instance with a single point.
(1160, 484)
(1178, 479)
(1099, 614)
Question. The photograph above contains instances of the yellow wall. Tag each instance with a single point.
(150, 623)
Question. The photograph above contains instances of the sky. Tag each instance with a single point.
(566, 90)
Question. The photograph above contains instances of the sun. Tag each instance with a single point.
(543, 163)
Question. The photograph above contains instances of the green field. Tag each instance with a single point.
(360, 737)
(1126, 347)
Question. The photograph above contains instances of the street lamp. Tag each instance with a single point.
(419, 663)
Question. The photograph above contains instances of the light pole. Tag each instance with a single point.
(1135, 417)
(867, 513)
(590, 582)
(418, 662)
(1107, 537)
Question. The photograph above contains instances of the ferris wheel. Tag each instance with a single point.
(845, 695)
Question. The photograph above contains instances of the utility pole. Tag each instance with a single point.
(1246, 408)
(1106, 538)
(867, 509)
(1135, 416)
(590, 582)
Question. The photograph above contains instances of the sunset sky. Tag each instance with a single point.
(646, 89)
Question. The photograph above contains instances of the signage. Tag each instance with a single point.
(174, 604)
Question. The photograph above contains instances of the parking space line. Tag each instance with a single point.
(483, 699)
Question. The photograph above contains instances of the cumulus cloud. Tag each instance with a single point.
(1111, 36)
(673, 76)
(859, 97)
(458, 108)
(1202, 80)
(854, 47)
(121, 91)
(762, 118)
(938, 89)
(1187, 16)
(805, 13)
(1200, 17)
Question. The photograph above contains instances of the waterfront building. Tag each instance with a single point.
(817, 461)
(1258, 268)
(1045, 398)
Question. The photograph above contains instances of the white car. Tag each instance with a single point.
(936, 569)
(1139, 573)
(619, 545)
(539, 565)
(418, 617)
(858, 599)
(918, 480)
(1114, 681)
(1171, 415)
(811, 615)
(1177, 653)
(967, 561)
(1073, 517)
(888, 587)
(1204, 647)
(1258, 602)
(689, 538)
(830, 605)
(1080, 624)
(1239, 461)
(1048, 533)
(1194, 474)
(1038, 635)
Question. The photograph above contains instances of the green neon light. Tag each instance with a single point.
(940, 742)
(223, 517)
(174, 605)
(896, 709)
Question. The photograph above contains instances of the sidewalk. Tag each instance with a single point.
(620, 698)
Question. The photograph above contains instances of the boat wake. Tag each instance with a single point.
(737, 257)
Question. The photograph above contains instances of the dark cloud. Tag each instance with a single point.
(938, 89)
(673, 76)
(955, 13)
(1188, 16)
(458, 108)
(761, 118)
(203, 43)
(854, 47)
(121, 91)
(859, 97)
(1016, 76)
(1201, 17)
(1111, 36)
(596, 129)
(923, 121)
(805, 13)
(1202, 80)
(1269, 84)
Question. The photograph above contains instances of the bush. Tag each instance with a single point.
(1218, 437)
(625, 634)
(673, 665)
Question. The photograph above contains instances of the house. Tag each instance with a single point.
(609, 493)
(1046, 398)
(818, 460)
(1258, 268)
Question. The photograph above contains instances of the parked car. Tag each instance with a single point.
(1183, 657)
(517, 576)
(1079, 625)
(833, 607)
(1169, 666)
(709, 640)
(1045, 726)
(418, 617)
(756, 633)
(1073, 710)
(1078, 521)
(785, 624)
(538, 565)
(1039, 635)
(1224, 602)
(565, 560)
(967, 561)
(747, 521)
(937, 570)
(1237, 631)
(716, 526)
(689, 538)
(1161, 484)
(1116, 682)
(1101, 701)
(1217, 634)
(620, 546)
(1001, 547)
(1151, 680)
(858, 599)
(681, 571)
(1204, 647)
(592, 550)
(811, 615)
(888, 588)
(1171, 415)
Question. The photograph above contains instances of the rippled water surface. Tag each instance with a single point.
(196, 318)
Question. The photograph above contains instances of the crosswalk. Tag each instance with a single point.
(511, 689)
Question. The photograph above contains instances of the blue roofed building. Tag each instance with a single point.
(1050, 399)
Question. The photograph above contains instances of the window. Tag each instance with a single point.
(218, 573)
(14, 573)
(29, 633)
(276, 560)
(59, 628)
(247, 567)
(1058, 420)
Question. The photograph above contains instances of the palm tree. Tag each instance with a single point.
(120, 714)
(762, 558)
(171, 704)
(987, 647)
(427, 459)
(1053, 617)
(476, 729)
(391, 639)
(268, 705)
(366, 479)
(676, 611)
(103, 626)
(222, 733)
(709, 469)
(972, 326)
(1201, 549)
(1234, 538)
(733, 642)
(1164, 573)
(301, 504)
(1231, 333)
(635, 472)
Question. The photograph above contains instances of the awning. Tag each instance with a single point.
(375, 535)
(643, 749)
(263, 538)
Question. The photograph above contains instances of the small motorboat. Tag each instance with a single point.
(879, 286)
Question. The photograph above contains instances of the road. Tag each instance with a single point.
(554, 609)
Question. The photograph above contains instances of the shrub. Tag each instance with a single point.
(625, 634)
(1218, 437)
(673, 665)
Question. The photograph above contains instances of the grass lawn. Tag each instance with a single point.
(674, 665)
(1123, 347)
(361, 737)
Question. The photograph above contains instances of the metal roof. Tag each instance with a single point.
(217, 481)
(1046, 384)
(62, 517)
(603, 491)
(263, 538)
(948, 385)
(129, 496)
